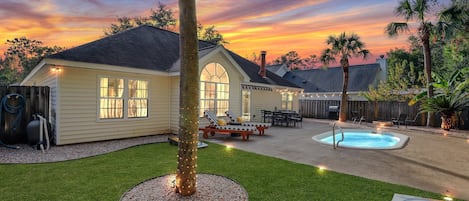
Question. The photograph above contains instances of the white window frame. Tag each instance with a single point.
(125, 98)
(287, 101)
(217, 90)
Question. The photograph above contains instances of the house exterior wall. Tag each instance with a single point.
(48, 77)
(174, 120)
(79, 110)
(268, 100)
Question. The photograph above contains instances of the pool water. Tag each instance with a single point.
(365, 139)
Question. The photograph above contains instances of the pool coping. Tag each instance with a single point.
(403, 140)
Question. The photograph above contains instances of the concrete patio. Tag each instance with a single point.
(431, 160)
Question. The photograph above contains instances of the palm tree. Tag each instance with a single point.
(189, 96)
(343, 46)
(451, 96)
(416, 9)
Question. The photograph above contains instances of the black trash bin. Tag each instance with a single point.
(333, 112)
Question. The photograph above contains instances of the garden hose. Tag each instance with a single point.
(14, 110)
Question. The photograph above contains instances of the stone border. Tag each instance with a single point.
(209, 188)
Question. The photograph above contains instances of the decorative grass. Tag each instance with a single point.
(107, 177)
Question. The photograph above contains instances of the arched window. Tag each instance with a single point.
(214, 89)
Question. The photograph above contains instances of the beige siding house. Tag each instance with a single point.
(127, 85)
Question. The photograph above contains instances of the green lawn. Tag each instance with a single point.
(108, 176)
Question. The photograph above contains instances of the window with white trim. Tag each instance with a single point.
(214, 89)
(122, 98)
(287, 101)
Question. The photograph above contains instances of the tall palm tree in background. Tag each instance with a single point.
(343, 46)
(189, 96)
(416, 10)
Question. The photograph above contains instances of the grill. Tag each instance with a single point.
(333, 112)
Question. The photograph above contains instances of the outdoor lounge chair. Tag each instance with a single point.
(214, 127)
(400, 120)
(238, 121)
(357, 118)
(412, 121)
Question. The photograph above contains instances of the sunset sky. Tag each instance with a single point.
(277, 26)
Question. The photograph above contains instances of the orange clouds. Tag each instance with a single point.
(249, 26)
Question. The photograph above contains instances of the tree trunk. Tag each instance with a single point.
(188, 99)
(343, 101)
(428, 73)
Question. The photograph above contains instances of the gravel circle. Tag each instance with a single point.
(28, 154)
(209, 188)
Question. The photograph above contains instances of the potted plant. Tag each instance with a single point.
(451, 96)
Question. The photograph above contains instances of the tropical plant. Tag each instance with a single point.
(410, 10)
(344, 46)
(451, 96)
(188, 99)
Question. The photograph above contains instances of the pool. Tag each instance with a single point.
(364, 139)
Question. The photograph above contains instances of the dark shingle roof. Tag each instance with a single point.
(252, 70)
(144, 47)
(151, 48)
(330, 80)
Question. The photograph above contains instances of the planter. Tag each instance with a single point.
(446, 123)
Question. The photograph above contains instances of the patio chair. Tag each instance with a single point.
(297, 119)
(267, 115)
(235, 120)
(400, 120)
(357, 118)
(412, 121)
(215, 127)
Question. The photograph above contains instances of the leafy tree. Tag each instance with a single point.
(291, 59)
(344, 46)
(410, 10)
(21, 57)
(162, 18)
(310, 62)
(210, 34)
(188, 100)
(453, 28)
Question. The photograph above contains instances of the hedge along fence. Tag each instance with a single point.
(372, 111)
(12, 98)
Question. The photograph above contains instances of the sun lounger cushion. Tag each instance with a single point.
(221, 122)
(234, 119)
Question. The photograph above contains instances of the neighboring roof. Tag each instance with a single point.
(274, 68)
(151, 48)
(331, 79)
(252, 70)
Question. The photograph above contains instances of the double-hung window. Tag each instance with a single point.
(122, 98)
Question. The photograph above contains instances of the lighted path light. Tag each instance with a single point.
(447, 198)
(229, 146)
(321, 168)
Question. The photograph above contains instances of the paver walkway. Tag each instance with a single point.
(430, 161)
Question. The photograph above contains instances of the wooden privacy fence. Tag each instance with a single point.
(17, 106)
(372, 111)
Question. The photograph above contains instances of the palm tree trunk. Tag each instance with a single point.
(343, 101)
(428, 73)
(188, 101)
